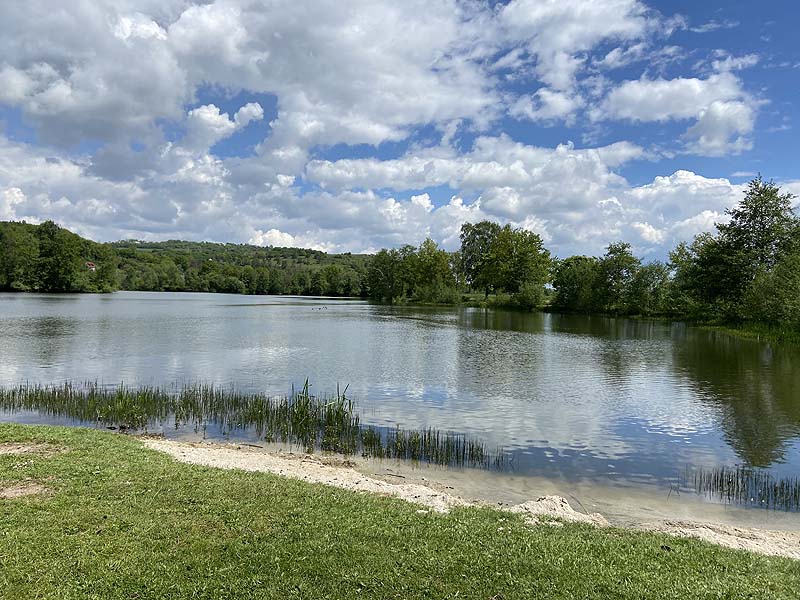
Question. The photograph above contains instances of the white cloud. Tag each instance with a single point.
(9, 200)
(546, 105)
(725, 114)
(272, 237)
(649, 233)
(665, 99)
(721, 129)
(557, 31)
(206, 125)
(735, 63)
(106, 85)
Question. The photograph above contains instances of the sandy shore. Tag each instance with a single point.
(431, 495)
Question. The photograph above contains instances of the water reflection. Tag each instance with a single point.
(572, 396)
(755, 385)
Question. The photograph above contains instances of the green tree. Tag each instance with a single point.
(575, 282)
(334, 280)
(648, 290)
(761, 227)
(383, 275)
(617, 268)
(774, 297)
(476, 245)
(517, 257)
(59, 258)
(19, 254)
(434, 279)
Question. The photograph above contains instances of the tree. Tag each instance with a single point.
(434, 279)
(575, 283)
(59, 258)
(617, 268)
(19, 253)
(761, 227)
(383, 275)
(518, 257)
(774, 297)
(647, 292)
(476, 245)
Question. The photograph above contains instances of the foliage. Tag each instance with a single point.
(238, 269)
(574, 280)
(421, 274)
(48, 258)
(476, 245)
(492, 258)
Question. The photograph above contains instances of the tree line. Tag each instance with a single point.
(48, 258)
(748, 269)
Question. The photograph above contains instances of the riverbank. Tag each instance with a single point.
(112, 518)
(402, 480)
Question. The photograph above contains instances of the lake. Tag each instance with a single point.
(618, 401)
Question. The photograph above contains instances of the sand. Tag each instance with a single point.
(15, 448)
(546, 510)
(20, 490)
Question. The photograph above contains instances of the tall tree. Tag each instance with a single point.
(617, 268)
(19, 253)
(59, 258)
(517, 257)
(476, 244)
(761, 227)
(575, 283)
(383, 275)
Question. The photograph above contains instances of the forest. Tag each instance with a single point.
(746, 271)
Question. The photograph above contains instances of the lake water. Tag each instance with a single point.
(570, 397)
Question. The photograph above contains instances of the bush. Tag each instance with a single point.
(530, 296)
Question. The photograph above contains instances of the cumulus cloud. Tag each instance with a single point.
(556, 32)
(122, 101)
(546, 105)
(206, 125)
(724, 112)
(722, 128)
(9, 200)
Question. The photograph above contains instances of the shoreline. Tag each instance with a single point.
(434, 494)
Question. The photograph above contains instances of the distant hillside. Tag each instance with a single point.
(238, 268)
(50, 258)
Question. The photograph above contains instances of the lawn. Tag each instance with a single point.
(121, 521)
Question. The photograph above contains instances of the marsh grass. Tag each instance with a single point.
(746, 486)
(328, 423)
(331, 423)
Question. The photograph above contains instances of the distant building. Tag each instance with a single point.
(91, 266)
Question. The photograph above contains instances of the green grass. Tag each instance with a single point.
(126, 522)
(759, 331)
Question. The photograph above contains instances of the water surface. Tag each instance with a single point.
(569, 397)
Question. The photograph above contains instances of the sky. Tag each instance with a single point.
(353, 126)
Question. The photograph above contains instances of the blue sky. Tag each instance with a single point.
(371, 124)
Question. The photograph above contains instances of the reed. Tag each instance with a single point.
(328, 423)
(746, 486)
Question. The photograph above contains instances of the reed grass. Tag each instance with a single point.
(746, 486)
(331, 423)
(328, 423)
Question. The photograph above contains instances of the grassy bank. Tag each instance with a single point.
(758, 331)
(121, 521)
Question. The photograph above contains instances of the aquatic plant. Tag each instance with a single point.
(328, 423)
(746, 486)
